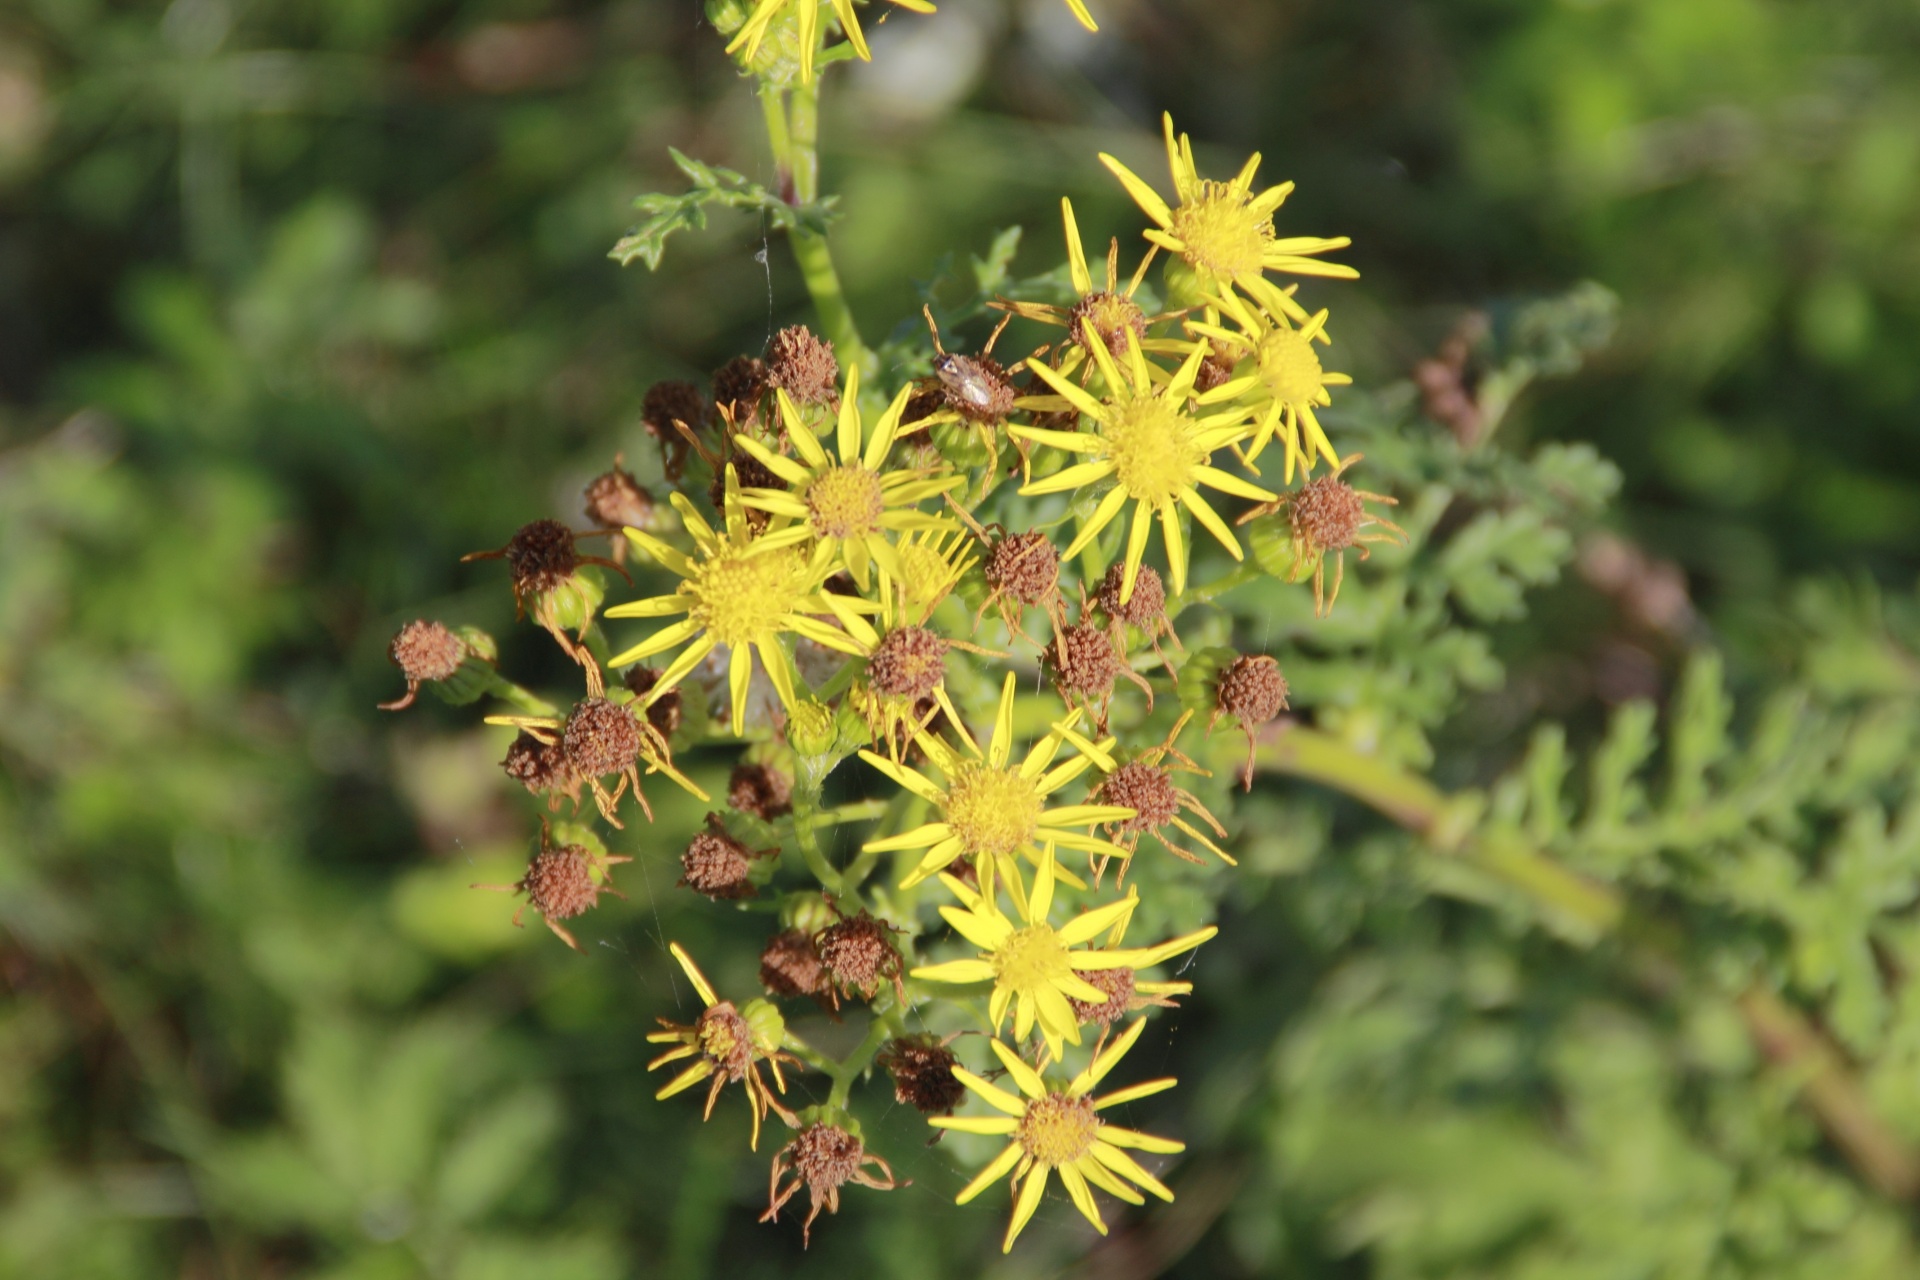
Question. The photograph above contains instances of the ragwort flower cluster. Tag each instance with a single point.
(933, 810)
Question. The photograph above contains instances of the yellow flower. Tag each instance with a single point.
(1222, 229)
(737, 591)
(730, 1044)
(1154, 451)
(1286, 376)
(1059, 1131)
(1097, 315)
(847, 505)
(991, 809)
(808, 14)
(1033, 966)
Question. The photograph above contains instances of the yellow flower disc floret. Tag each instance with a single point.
(1030, 957)
(1058, 1129)
(846, 502)
(1290, 366)
(993, 811)
(1154, 451)
(742, 595)
(1224, 232)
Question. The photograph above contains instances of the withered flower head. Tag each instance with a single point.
(790, 967)
(666, 711)
(601, 737)
(802, 364)
(859, 955)
(763, 790)
(423, 651)
(538, 766)
(738, 388)
(922, 1071)
(909, 662)
(823, 1158)
(1253, 691)
(616, 500)
(719, 866)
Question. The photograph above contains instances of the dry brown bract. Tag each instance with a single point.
(1145, 609)
(1253, 691)
(423, 651)
(559, 884)
(1123, 997)
(539, 766)
(823, 1159)
(1085, 661)
(1327, 516)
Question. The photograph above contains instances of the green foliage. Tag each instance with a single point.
(688, 211)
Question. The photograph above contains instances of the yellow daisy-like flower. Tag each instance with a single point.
(1155, 453)
(1059, 1131)
(1286, 375)
(738, 591)
(729, 1044)
(808, 14)
(990, 808)
(1097, 315)
(1223, 230)
(848, 505)
(1034, 967)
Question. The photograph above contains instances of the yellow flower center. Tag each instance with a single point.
(993, 811)
(1151, 444)
(1290, 367)
(744, 596)
(1220, 235)
(1106, 317)
(1030, 958)
(1058, 1129)
(846, 502)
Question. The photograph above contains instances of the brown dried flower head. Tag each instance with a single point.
(1145, 784)
(665, 404)
(541, 556)
(922, 1071)
(1118, 984)
(538, 766)
(1253, 691)
(616, 500)
(859, 955)
(601, 737)
(1106, 316)
(665, 712)
(763, 790)
(717, 865)
(1084, 663)
(739, 385)
(790, 967)
(1024, 567)
(1148, 790)
(559, 884)
(1326, 517)
(909, 662)
(423, 651)
(823, 1158)
(1144, 608)
(802, 364)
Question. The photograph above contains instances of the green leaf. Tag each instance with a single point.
(666, 214)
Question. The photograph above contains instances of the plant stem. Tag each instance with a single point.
(878, 1030)
(806, 816)
(794, 136)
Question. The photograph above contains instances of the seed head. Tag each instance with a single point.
(559, 883)
(423, 651)
(666, 712)
(1118, 984)
(762, 790)
(738, 386)
(601, 737)
(541, 556)
(1025, 567)
(1145, 788)
(1251, 689)
(823, 1158)
(922, 1071)
(1083, 661)
(1106, 317)
(536, 765)
(1326, 514)
(717, 865)
(789, 966)
(859, 954)
(1147, 603)
(616, 500)
(802, 364)
(909, 662)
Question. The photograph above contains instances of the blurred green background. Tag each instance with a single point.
(302, 299)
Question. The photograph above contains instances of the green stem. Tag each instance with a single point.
(806, 818)
(794, 136)
(531, 703)
(1243, 573)
(879, 1030)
